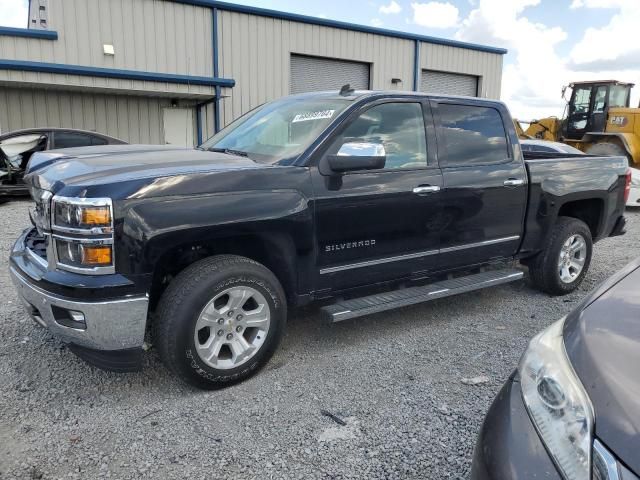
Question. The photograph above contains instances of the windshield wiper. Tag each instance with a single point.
(229, 151)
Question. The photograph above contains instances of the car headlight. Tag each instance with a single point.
(82, 231)
(82, 214)
(557, 402)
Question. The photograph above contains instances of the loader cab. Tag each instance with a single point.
(590, 103)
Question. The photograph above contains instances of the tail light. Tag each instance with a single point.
(627, 186)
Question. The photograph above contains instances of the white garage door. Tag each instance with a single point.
(313, 74)
(449, 83)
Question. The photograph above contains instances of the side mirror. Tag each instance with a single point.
(354, 156)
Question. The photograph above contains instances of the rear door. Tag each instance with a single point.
(379, 225)
(485, 183)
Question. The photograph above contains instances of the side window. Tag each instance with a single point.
(582, 100)
(70, 140)
(98, 141)
(399, 127)
(472, 135)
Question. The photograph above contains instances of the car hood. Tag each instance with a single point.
(90, 166)
(603, 343)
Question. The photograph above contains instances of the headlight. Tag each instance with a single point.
(74, 254)
(82, 231)
(71, 214)
(557, 402)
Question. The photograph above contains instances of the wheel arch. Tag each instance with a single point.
(588, 210)
(275, 250)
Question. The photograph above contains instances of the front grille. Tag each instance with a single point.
(37, 243)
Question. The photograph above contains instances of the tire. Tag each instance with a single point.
(545, 270)
(606, 149)
(192, 306)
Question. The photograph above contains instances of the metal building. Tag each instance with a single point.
(175, 71)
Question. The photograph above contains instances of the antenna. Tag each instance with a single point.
(346, 90)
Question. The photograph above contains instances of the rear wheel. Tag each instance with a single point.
(560, 268)
(220, 321)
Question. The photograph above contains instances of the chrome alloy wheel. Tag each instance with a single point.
(232, 327)
(572, 258)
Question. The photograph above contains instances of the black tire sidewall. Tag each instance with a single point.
(188, 362)
(568, 228)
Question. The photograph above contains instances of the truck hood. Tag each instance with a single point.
(90, 166)
(603, 344)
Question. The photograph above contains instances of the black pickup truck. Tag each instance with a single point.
(363, 201)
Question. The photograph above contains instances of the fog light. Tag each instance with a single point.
(69, 318)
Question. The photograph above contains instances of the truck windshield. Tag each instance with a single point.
(278, 131)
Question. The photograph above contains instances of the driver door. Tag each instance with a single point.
(578, 121)
(379, 225)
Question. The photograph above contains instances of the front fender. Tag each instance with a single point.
(153, 227)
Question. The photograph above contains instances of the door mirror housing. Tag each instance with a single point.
(354, 156)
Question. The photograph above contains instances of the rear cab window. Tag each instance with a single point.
(471, 135)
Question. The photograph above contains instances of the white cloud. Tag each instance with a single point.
(14, 13)
(376, 22)
(533, 78)
(393, 7)
(435, 14)
(613, 46)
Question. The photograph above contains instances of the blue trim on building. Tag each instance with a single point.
(416, 66)
(263, 12)
(113, 73)
(214, 44)
(29, 33)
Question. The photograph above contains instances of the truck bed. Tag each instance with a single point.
(557, 178)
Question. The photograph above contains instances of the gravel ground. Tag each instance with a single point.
(394, 378)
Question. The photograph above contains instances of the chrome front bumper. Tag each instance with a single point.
(108, 325)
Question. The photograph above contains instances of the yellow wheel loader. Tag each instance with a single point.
(597, 121)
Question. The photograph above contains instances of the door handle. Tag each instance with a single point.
(426, 189)
(513, 182)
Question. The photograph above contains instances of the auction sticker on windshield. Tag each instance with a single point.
(304, 117)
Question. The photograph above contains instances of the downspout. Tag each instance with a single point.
(216, 111)
(199, 123)
(416, 66)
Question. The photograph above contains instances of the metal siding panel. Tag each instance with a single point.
(147, 35)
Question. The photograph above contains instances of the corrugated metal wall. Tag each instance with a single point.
(487, 66)
(131, 118)
(256, 51)
(148, 35)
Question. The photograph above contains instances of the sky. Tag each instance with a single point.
(550, 42)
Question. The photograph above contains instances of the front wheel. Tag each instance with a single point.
(560, 268)
(220, 321)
